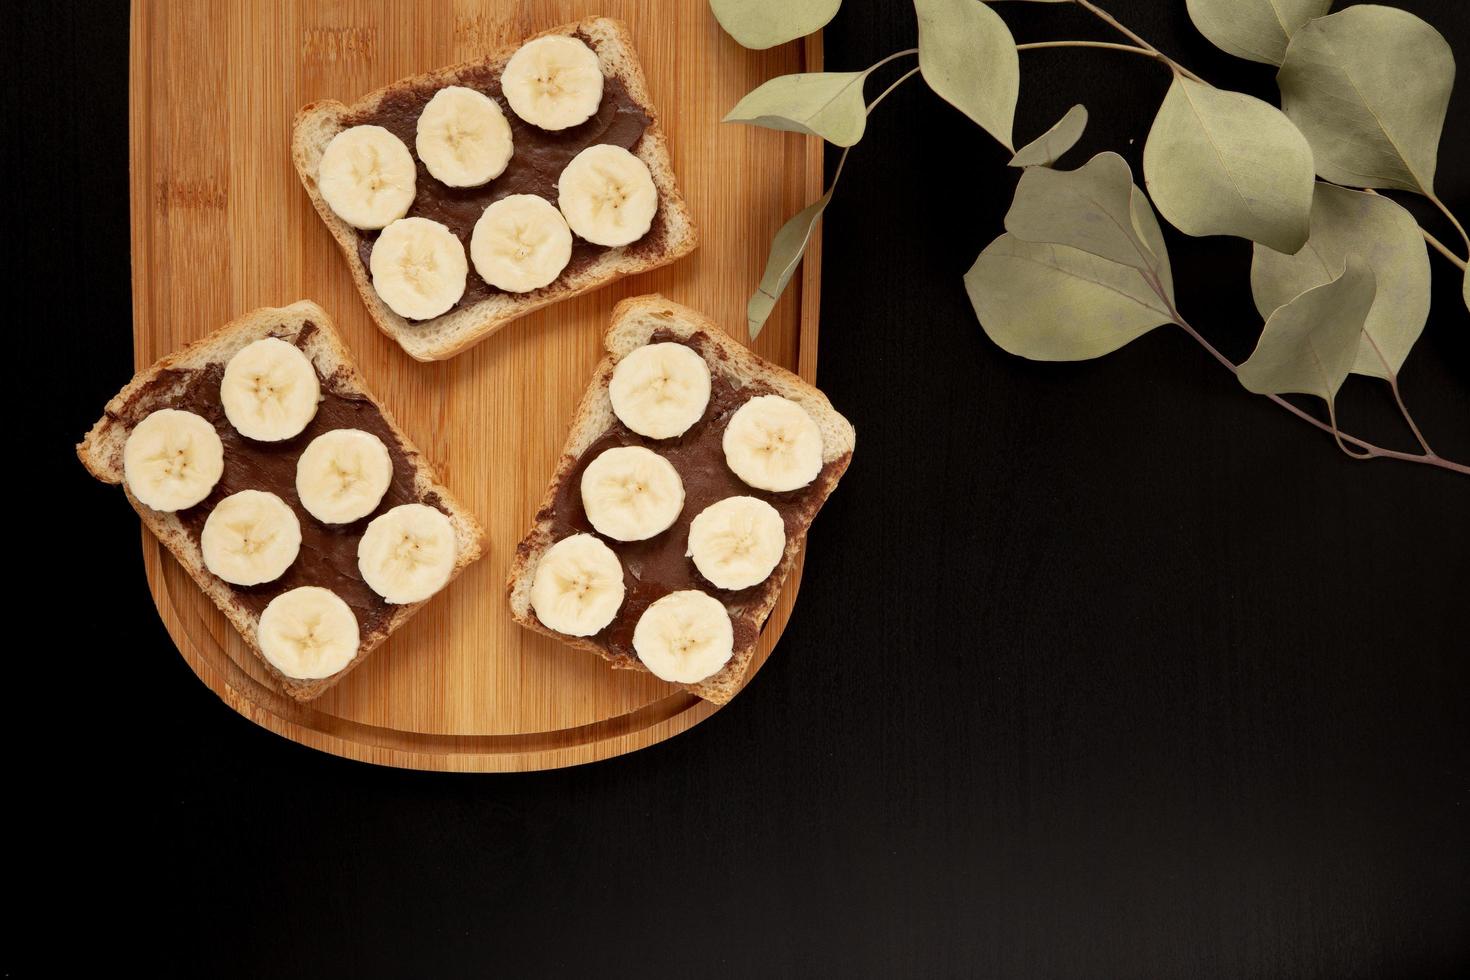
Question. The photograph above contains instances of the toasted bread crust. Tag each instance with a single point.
(633, 322)
(433, 340)
(101, 452)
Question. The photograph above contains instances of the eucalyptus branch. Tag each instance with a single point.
(1113, 22)
(1370, 450)
(1453, 220)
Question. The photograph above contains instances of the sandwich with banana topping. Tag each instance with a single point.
(469, 196)
(258, 457)
(690, 476)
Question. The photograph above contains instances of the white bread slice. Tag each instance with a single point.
(447, 335)
(101, 452)
(634, 321)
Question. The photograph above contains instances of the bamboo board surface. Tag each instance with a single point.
(221, 225)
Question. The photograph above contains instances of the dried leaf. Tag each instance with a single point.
(1094, 208)
(767, 23)
(1223, 163)
(1255, 29)
(1050, 145)
(1385, 236)
(1054, 303)
(1308, 345)
(1369, 86)
(825, 104)
(968, 57)
(786, 251)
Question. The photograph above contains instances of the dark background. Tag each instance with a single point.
(1103, 669)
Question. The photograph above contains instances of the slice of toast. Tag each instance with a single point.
(187, 373)
(636, 322)
(673, 233)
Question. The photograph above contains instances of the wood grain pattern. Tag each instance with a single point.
(221, 225)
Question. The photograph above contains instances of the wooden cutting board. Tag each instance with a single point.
(221, 225)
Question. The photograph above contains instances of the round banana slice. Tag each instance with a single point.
(578, 586)
(737, 542)
(631, 493)
(521, 243)
(250, 537)
(407, 554)
(553, 82)
(418, 268)
(772, 444)
(684, 637)
(607, 195)
(172, 459)
(308, 633)
(270, 390)
(367, 177)
(463, 137)
(660, 390)
(342, 476)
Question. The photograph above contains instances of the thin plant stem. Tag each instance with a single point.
(1393, 383)
(1105, 45)
(897, 82)
(893, 57)
(1428, 459)
(1453, 220)
(1113, 22)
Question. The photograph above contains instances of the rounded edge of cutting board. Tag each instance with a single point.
(647, 725)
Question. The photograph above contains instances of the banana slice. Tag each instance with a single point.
(772, 444)
(367, 177)
(631, 493)
(553, 82)
(342, 476)
(250, 537)
(684, 637)
(418, 268)
(578, 586)
(521, 243)
(607, 195)
(463, 137)
(270, 391)
(737, 542)
(308, 633)
(660, 390)
(407, 553)
(172, 459)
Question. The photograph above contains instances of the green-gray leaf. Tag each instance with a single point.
(1465, 290)
(1254, 29)
(1223, 163)
(786, 251)
(1094, 208)
(1308, 345)
(1047, 148)
(825, 104)
(767, 23)
(1369, 86)
(968, 57)
(1385, 236)
(1054, 303)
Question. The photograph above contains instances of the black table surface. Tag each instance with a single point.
(1099, 669)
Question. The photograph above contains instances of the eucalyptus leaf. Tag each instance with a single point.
(1050, 145)
(825, 104)
(1094, 208)
(1308, 345)
(767, 23)
(969, 59)
(1369, 86)
(1054, 303)
(1255, 29)
(1224, 163)
(786, 251)
(1384, 235)
(1465, 290)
